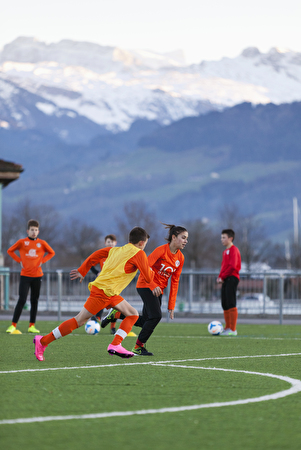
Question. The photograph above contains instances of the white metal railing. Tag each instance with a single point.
(275, 293)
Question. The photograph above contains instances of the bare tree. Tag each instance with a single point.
(203, 248)
(139, 214)
(78, 241)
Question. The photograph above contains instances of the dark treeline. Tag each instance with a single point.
(74, 240)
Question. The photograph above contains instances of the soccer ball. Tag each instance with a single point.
(92, 327)
(215, 328)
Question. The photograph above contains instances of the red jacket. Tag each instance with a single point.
(231, 263)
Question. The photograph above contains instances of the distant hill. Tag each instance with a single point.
(247, 155)
(83, 89)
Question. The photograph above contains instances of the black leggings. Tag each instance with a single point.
(35, 285)
(229, 288)
(151, 313)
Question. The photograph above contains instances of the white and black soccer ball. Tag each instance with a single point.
(215, 328)
(92, 327)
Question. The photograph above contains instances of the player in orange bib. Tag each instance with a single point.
(33, 253)
(167, 262)
(120, 267)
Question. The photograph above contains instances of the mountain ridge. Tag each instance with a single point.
(113, 87)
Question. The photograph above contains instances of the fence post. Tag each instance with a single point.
(281, 298)
(47, 290)
(190, 298)
(264, 291)
(59, 293)
(4, 287)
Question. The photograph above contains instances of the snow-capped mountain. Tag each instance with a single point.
(111, 87)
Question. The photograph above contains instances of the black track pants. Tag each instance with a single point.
(229, 288)
(35, 285)
(151, 313)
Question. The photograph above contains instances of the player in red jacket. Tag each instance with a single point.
(33, 253)
(229, 277)
(167, 263)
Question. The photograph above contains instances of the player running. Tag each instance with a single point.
(121, 266)
(167, 262)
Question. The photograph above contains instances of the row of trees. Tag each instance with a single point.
(75, 240)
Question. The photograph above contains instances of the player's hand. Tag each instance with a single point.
(157, 291)
(219, 280)
(171, 313)
(74, 274)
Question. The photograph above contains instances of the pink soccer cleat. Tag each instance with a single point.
(39, 348)
(119, 351)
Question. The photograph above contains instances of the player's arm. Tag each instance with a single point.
(50, 252)
(152, 259)
(174, 286)
(11, 251)
(92, 260)
(141, 262)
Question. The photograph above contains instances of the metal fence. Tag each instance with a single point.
(276, 293)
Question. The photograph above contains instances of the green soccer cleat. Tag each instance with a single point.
(33, 329)
(141, 351)
(110, 317)
(11, 328)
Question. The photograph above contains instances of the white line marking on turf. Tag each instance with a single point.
(147, 363)
(295, 387)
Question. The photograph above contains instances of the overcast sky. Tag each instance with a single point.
(204, 30)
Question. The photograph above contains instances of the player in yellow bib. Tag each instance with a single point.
(118, 271)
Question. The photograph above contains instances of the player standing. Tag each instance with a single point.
(32, 255)
(229, 278)
(110, 241)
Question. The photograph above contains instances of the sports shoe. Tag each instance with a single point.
(233, 333)
(118, 350)
(228, 332)
(11, 328)
(113, 330)
(33, 329)
(39, 348)
(141, 351)
(108, 318)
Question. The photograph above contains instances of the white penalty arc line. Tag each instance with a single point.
(295, 387)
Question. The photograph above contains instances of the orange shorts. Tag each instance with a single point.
(98, 300)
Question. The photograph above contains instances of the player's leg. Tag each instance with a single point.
(149, 319)
(65, 328)
(35, 287)
(24, 286)
(130, 316)
(230, 288)
(225, 307)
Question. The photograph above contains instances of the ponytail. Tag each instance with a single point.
(173, 231)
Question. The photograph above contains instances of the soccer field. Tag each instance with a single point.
(197, 392)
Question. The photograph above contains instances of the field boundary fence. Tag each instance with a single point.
(267, 294)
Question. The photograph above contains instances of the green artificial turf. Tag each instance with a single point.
(186, 374)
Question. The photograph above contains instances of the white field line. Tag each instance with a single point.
(148, 363)
(295, 387)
